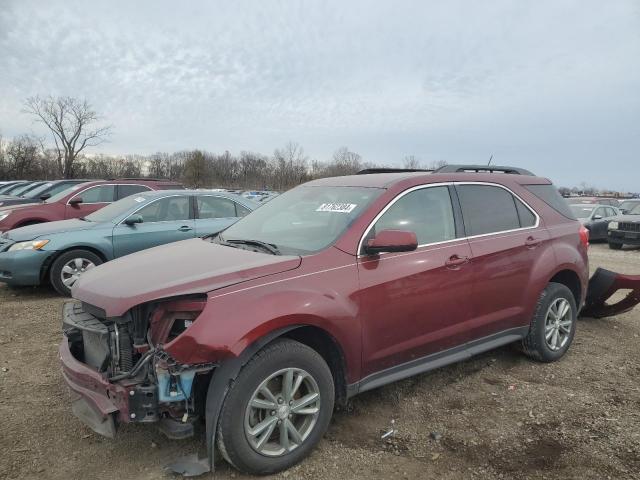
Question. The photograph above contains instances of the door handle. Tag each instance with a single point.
(532, 242)
(185, 228)
(455, 261)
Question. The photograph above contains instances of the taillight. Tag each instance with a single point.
(584, 236)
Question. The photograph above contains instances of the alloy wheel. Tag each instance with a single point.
(73, 269)
(558, 323)
(282, 412)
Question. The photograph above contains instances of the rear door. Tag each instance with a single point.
(93, 198)
(215, 213)
(165, 220)
(505, 237)
(413, 304)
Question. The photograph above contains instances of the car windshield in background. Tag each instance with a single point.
(635, 210)
(115, 210)
(35, 193)
(303, 220)
(580, 211)
(63, 193)
(629, 204)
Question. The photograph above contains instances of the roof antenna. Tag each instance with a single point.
(490, 158)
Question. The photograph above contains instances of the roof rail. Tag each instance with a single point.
(482, 169)
(145, 178)
(391, 170)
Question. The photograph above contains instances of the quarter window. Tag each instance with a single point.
(426, 212)
(99, 194)
(126, 190)
(489, 209)
(215, 207)
(166, 210)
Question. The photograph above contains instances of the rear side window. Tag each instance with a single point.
(426, 212)
(126, 190)
(550, 195)
(488, 209)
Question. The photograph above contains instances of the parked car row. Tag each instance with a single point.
(616, 226)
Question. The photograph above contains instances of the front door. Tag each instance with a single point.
(413, 304)
(166, 220)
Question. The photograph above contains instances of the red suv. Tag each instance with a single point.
(77, 201)
(333, 288)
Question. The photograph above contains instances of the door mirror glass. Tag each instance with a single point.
(391, 241)
(75, 201)
(44, 197)
(133, 219)
(597, 217)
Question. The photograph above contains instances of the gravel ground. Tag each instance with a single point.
(498, 415)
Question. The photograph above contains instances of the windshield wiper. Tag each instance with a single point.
(269, 247)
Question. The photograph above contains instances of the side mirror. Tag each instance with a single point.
(75, 201)
(46, 196)
(133, 219)
(597, 217)
(391, 241)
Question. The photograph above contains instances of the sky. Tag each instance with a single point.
(552, 86)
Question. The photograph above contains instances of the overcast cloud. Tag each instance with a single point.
(551, 86)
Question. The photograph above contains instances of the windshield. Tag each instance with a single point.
(581, 211)
(303, 220)
(63, 193)
(13, 189)
(629, 204)
(635, 210)
(25, 188)
(35, 193)
(116, 209)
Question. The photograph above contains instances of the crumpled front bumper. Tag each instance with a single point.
(97, 402)
(602, 286)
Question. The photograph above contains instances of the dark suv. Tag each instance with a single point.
(333, 288)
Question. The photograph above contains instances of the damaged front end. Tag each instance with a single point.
(120, 372)
(602, 286)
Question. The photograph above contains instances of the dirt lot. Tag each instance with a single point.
(496, 416)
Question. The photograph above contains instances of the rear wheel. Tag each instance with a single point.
(69, 267)
(553, 326)
(277, 409)
(615, 246)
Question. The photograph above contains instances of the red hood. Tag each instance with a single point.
(190, 266)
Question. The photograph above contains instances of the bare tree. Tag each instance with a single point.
(411, 162)
(73, 125)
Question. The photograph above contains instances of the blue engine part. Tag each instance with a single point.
(174, 388)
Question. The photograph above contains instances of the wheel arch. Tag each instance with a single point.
(46, 266)
(570, 279)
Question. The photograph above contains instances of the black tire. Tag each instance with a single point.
(55, 272)
(231, 438)
(615, 246)
(535, 344)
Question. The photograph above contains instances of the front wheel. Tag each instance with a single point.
(615, 246)
(69, 267)
(553, 326)
(277, 409)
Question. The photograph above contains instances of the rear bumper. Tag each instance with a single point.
(22, 268)
(96, 401)
(627, 238)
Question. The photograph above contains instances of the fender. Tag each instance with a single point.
(219, 386)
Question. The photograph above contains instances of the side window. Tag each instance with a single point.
(527, 218)
(611, 212)
(599, 212)
(126, 190)
(242, 211)
(100, 194)
(487, 209)
(215, 207)
(426, 212)
(166, 210)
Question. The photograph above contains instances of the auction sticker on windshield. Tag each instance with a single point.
(337, 207)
